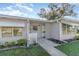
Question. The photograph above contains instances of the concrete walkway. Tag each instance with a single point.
(49, 47)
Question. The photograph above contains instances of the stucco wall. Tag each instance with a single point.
(48, 29)
(55, 31)
(67, 37)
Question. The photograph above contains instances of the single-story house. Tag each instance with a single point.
(13, 28)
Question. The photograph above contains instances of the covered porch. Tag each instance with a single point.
(35, 30)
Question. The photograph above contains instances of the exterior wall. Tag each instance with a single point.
(67, 37)
(53, 30)
(55, 33)
(48, 29)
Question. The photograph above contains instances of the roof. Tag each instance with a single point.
(71, 20)
(38, 20)
(23, 18)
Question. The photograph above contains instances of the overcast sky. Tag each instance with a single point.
(27, 10)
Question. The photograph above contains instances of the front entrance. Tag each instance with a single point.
(39, 29)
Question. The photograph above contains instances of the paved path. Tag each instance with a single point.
(49, 47)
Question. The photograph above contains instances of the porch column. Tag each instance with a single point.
(28, 32)
(60, 30)
(66, 29)
(0, 32)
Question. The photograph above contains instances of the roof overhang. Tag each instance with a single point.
(25, 19)
(70, 21)
(37, 20)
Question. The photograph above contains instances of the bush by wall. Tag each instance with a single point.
(76, 38)
(21, 42)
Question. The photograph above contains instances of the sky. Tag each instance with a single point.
(27, 9)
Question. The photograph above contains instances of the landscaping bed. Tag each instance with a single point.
(56, 41)
(18, 43)
(71, 49)
(19, 48)
(33, 50)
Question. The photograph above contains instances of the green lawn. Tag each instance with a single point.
(31, 51)
(71, 49)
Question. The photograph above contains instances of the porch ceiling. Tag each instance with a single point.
(12, 24)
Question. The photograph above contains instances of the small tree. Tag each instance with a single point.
(56, 11)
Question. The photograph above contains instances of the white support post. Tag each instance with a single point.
(28, 32)
(66, 29)
(0, 32)
(12, 32)
(60, 27)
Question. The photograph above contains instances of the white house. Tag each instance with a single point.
(13, 28)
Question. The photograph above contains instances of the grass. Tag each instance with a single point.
(31, 51)
(71, 49)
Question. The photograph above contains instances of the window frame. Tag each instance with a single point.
(12, 31)
(68, 29)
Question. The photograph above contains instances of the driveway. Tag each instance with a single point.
(49, 47)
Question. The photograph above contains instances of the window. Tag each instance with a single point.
(77, 29)
(9, 31)
(17, 31)
(35, 28)
(6, 31)
(67, 29)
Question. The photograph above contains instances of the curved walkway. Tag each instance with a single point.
(49, 47)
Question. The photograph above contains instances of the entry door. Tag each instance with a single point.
(40, 30)
(37, 29)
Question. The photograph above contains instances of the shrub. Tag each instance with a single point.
(76, 38)
(6, 44)
(34, 43)
(1, 46)
(13, 43)
(21, 42)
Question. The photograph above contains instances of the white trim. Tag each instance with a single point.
(60, 32)
(28, 33)
(0, 32)
(12, 32)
